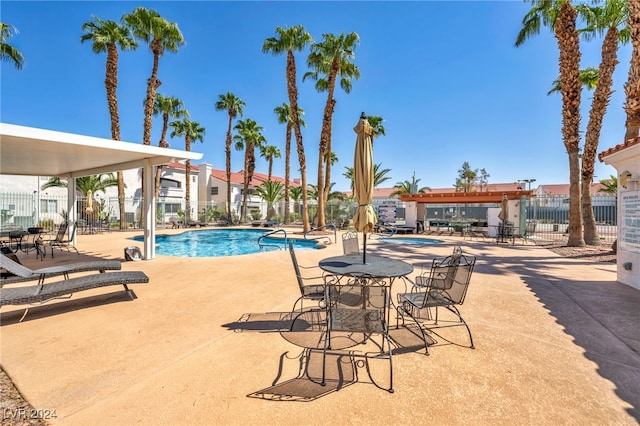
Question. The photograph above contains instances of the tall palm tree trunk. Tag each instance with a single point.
(601, 97)
(251, 163)
(163, 144)
(327, 176)
(152, 87)
(632, 87)
(324, 152)
(245, 191)
(111, 85)
(292, 90)
(287, 172)
(569, 47)
(227, 152)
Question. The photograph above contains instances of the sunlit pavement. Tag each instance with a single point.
(556, 342)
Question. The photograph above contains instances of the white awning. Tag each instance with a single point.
(30, 151)
(38, 152)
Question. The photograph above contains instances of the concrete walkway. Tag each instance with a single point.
(556, 339)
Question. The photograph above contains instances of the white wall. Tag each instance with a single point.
(628, 255)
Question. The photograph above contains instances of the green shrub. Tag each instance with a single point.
(47, 224)
(255, 214)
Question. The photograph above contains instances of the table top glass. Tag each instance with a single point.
(376, 266)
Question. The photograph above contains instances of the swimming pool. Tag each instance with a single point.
(221, 242)
(410, 240)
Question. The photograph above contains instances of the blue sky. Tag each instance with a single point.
(444, 75)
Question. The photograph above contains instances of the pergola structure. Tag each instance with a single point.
(465, 197)
(28, 151)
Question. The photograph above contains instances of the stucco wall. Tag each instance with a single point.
(627, 161)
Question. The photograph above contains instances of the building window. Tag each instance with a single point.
(169, 208)
(170, 183)
(48, 206)
(193, 179)
(214, 190)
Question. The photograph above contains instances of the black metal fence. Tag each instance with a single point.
(550, 213)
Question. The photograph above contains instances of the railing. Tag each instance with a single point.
(329, 225)
(266, 234)
(383, 230)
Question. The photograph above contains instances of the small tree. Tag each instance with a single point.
(271, 192)
(467, 178)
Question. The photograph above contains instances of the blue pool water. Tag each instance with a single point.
(220, 242)
(410, 240)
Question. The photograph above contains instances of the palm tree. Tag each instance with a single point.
(271, 193)
(284, 117)
(148, 26)
(172, 107)
(248, 138)
(93, 183)
(379, 176)
(192, 131)
(632, 87)
(409, 187)
(288, 41)
(295, 193)
(376, 123)
(234, 107)
(8, 52)
(588, 78)
(610, 185)
(330, 59)
(600, 19)
(85, 185)
(560, 17)
(108, 36)
(269, 152)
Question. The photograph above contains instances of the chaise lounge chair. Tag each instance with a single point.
(16, 272)
(43, 293)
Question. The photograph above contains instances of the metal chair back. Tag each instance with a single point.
(350, 243)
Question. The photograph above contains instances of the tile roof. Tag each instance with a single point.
(563, 189)
(626, 144)
(386, 192)
(258, 178)
(182, 166)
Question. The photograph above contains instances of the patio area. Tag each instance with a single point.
(556, 343)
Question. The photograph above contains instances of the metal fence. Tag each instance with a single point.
(550, 213)
(26, 210)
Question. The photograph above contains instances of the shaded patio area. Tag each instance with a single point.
(556, 343)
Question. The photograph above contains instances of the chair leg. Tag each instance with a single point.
(415, 320)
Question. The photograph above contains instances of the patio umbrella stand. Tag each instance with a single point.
(365, 217)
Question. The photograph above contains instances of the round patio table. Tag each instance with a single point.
(376, 266)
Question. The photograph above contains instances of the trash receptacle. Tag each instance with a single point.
(132, 253)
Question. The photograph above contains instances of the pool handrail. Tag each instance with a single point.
(266, 234)
(385, 230)
(328, 225)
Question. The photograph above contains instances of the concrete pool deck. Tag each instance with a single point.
(556, 341)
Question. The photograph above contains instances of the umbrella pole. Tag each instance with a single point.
(364, 249)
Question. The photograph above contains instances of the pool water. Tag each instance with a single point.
(221, 242)
(410, 240)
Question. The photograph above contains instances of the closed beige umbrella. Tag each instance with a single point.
(365, 218)
(504, 208)
(89, 208)
(503, 216)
